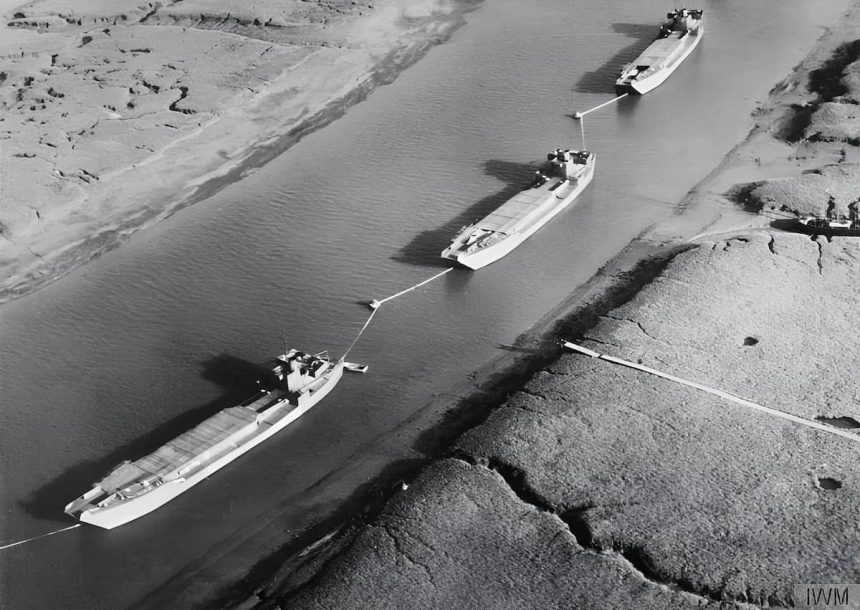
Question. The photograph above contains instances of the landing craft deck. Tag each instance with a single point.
(204, 437)
(662, 49)
(564, 177)
(512, 213)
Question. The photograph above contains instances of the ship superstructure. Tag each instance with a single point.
(676, 40)
(555, 186)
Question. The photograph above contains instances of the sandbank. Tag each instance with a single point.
(117, 114)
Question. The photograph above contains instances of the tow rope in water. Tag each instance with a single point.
(358, 336)
(64, 529)
(580, 116)
(374, 304)
(722, 394)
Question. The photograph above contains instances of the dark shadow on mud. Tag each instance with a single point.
(826, 83)
(475, 408)
(425, 248)
(789, 225)
(843, 422)
(793, 123)
(292, 566)
(517, 349)
(237, 377)
(602, 80)
(744, 195)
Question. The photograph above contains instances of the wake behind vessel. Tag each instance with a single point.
(677, 39)
(566, 175)
(297, 382)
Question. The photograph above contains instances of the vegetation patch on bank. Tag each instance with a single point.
(832, 189)
(832, 114)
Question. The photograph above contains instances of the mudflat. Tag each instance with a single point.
(597, 485)
(117, 114)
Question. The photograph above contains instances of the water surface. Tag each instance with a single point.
(122, 355)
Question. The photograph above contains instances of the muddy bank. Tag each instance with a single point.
(679, 491)
(594, 482)
(115, 117)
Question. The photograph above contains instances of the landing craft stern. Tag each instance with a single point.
(622, 88)
(81, 504)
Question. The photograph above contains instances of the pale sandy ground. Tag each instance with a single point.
(597, 486)
(114, 112)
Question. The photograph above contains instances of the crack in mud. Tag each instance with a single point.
(402, 551)
(599, 341)
(637, 323)
(633, 558)
(532, 393)
(820, 256)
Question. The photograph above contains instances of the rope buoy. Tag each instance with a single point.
(374, 304)
(580, 116)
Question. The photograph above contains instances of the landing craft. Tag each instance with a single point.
(677, 39)
(296, 383)
(565, 176)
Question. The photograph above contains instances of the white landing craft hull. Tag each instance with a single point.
(481, 257)
(651, 82)
(119, 513)
(493, 253)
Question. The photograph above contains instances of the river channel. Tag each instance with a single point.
(121, 355)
